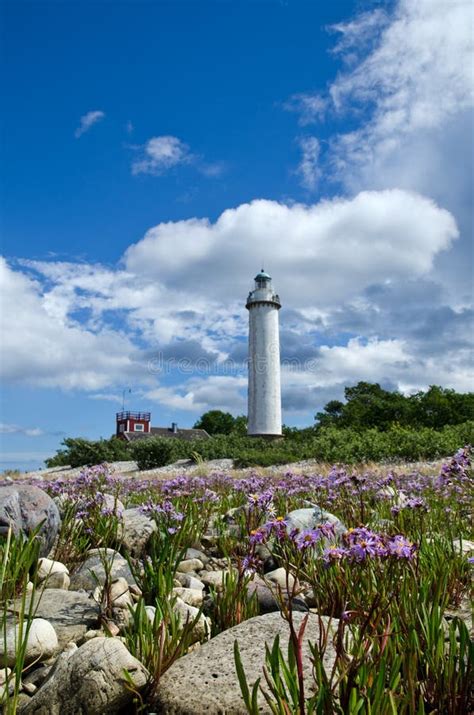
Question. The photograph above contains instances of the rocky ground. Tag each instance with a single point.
(77, 656)
(188, 467)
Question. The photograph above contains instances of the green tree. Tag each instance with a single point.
(369, 405)
(332, 414)
(216, 422)
(240, 425)
(439, 406)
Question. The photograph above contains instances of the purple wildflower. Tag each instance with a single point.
(258, 536)
(400, 547)
(333, 554)
(307, 539)
(416, 503)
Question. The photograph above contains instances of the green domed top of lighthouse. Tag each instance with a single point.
(262, 276)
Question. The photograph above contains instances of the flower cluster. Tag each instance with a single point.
(164, 513)
(362, 544)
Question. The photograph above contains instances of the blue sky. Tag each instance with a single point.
(155, 153)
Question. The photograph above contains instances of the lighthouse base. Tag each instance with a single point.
(269, 437)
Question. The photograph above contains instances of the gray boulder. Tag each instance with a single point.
(310, 518)
(192, 553)
(89, 679)
(267, 599)
(91, 573)
(41, 642)
(24, 507)
(137, 529)
(206, 681)
(70, 613)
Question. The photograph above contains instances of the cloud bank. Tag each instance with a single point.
(352, 279)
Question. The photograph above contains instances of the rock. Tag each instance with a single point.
(214, 578)
(190, 565)
(197, 554)
(70, 613)
(265, 555)
(191, 596)
(202, 628)
(188, 581)
(57, 580)
(464, 612)
(463, 546)
(89, 679)
(137, 530)
(399, 498)
(113, 505)
(278, 577)
(151, 613)
(94, 633)
(84, 578)
(205, 680)
(41, 642)
(48, 567)
(304, 519)
(119, 594)
(38, 675)
(7, 681)
(267, 597)
(4, 675)
(24, 507)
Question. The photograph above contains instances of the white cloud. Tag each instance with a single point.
(212, 169)
(50, 350)
(341, 266)
(391, 362)
(357, 35)
(407, 88)
(419, 73)
(199, 394)
(308, 169)
(16, 429)
(161, 154)
(310, 107)
(409, 73)
(335, 248)
(87, 121)
(104, 396)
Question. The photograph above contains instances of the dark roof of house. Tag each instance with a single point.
(186, 434)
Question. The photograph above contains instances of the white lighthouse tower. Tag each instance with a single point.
(264, 395)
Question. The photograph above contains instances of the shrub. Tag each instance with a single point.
(158, 451)
(81, 452)
(328, 444)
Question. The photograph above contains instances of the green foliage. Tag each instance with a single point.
(231, 604)
(156, 577)
(372, 424)
(216, 422)
(154, 452)
(370, 406)
(394, 652)
(157, 641)
(79, 452)
(329, 444)
(18, 559)
(219, 422)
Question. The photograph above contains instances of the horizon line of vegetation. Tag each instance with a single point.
(373, 424)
